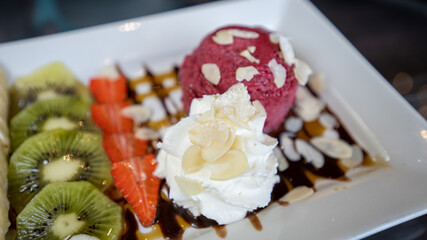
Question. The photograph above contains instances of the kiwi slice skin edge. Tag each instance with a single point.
(56, 156)
(49, 81)
(62, 210)
(69, 113)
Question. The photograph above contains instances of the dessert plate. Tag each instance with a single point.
(377, 116)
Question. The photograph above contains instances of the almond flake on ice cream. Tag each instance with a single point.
(246, 73)
(287, 50)
(217, 162)
(211, 72)
(279, 73)
(302, 71)
(274, 38)
(247, 53)
(226, 36)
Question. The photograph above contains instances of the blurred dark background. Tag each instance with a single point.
(391, 34)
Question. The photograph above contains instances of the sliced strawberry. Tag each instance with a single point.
(121, 146)
(107, 90)
(135, 179)
(109, 118)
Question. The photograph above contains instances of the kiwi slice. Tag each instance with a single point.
(47, 82)
(63, 112)
(62, 210)
(56, 156)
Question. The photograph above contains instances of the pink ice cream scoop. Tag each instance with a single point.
(252, 56)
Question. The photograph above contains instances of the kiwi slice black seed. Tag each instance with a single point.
(56, 156)
(47, 82)
(63, 112)
(62, 210)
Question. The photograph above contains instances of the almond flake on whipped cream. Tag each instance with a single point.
(226, 36)
(211, 72)
(279, 73)
(246, 73)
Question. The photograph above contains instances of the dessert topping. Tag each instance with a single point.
(287, 50)
(297, 194)
(247, 53)
(335, 148)
(279, 73)
(302, 71)
(211, 72)
(246, 73)
(226, 36)
(307, 106)
(356, 158)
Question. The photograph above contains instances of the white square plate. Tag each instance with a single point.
(373, 111)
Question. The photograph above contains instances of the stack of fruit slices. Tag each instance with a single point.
(4, 150)
(58, 168)
(119, 120)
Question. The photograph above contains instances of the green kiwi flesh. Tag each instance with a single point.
(63, 112)
(62, 210)
(47, 82)
(56, 156)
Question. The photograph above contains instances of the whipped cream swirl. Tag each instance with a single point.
(217, 162)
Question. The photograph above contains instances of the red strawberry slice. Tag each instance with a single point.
(135, 179)
(109, 118)
(121, 146)
(106, 90)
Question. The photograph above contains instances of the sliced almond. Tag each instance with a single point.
(232, 164)
(307, 106)
(328, 120)
(316, 83)
(287, 50)
(207, 116)
(198, 137)
(334, 148)
(192, 159)
(274, 38)
(217, 148)
(246, 73)
(310, 154)
(204, 134)
(188, 186)
(283, 163)
(288, 148)
(248, 55)
(293, 124)
(297, 194)
(226, 36)
(145, 133)
(331, 133)
(356, 158)
(302, 71)
(279, 73)
(211, 72)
